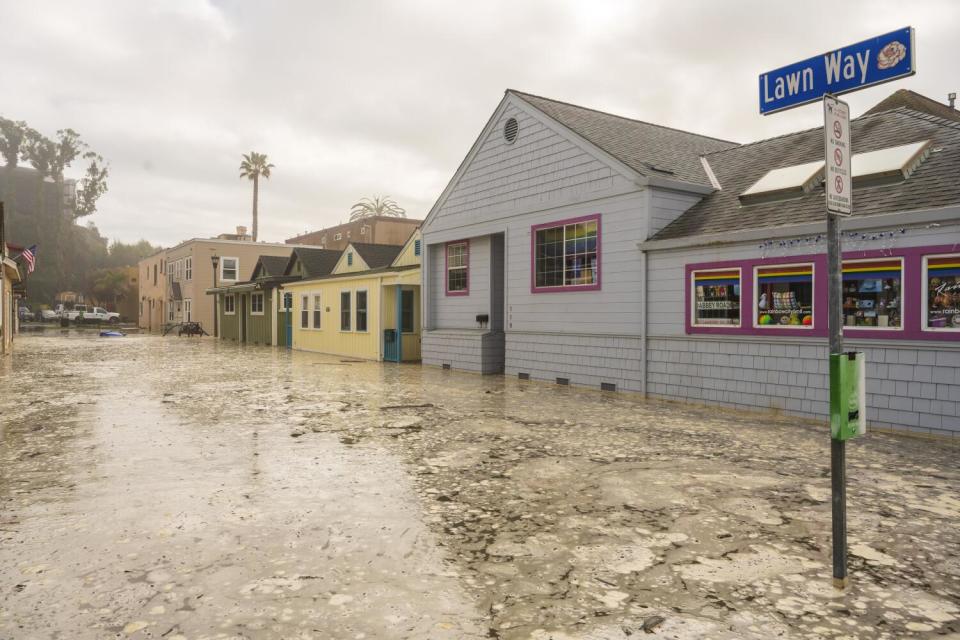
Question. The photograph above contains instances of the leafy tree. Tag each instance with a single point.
(110, 284)
(12, 139)
(253, 167)
(92, 186)
(378, 206)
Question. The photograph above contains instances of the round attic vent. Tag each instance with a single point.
(510, 129)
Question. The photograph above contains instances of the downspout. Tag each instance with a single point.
(643, 324)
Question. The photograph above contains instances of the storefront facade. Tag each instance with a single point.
(737, 311)
(570, 247)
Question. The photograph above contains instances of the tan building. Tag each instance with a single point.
(173, 281)
(372, 230)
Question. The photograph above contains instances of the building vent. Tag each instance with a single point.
(563, 381)
(523, 376)
(608, 386)
(510, 129)
(446, 365)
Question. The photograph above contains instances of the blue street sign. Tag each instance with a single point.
(856, 66)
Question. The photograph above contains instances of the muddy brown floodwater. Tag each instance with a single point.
(175, 488)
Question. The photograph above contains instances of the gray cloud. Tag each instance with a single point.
(350, 99)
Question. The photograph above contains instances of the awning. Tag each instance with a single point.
(10, 270)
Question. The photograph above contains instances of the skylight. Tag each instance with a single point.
(894, 162)
(873, 168)
(788, 181)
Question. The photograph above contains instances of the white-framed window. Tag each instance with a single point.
(170, 313)
(188, 269)
(338, 236)
(350, 258)
(873, 294)
(287, 302)
(716, 297)
(361, 311)
(256, 303)
(317, 311)
(188, 310)
(229, 304)
(304, 312)
(458, 268)
(363, 230)
(783, 296)
(941, 292)
(229, 269)
(345, 323)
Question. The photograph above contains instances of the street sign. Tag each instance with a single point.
(838, 182)
(874, 61)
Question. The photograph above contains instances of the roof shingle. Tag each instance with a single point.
(933, 184)
(648, 149)
(316, 262)
(377, 255)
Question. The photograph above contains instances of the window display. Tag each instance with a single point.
(872, 293)
(784, 296)
(942, 279)
(716, 299)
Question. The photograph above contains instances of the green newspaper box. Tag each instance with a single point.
(848, 410)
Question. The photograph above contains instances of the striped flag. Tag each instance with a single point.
(29, 256)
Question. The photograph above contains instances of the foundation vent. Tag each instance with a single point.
(523, 376)
(608, 386)
(563, 381)
(446, 366)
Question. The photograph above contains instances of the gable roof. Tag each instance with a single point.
(917, 102)
(270, 266)
(648, 149)
(316, 262)
(377, 255)
(933, 184)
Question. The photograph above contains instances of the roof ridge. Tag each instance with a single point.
(923, 115)
(866, 116)
(614, 115)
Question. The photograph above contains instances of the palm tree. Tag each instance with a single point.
(379, 206)
(254, 166)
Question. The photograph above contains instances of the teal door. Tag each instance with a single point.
(288, 328)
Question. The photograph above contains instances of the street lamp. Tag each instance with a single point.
(215, 261)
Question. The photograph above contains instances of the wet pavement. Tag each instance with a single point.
(178, 488)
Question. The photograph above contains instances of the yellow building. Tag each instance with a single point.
(368, 307)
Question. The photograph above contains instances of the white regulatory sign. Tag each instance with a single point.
(836, 133)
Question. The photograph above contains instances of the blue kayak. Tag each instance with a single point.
(111, 334)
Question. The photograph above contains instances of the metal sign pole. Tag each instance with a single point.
(838, 448)
(838, 188)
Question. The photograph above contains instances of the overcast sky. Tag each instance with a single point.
(354, 99)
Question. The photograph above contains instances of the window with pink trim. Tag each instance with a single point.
(566, 255)
(458, 268)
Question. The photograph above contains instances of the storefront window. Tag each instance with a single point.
(942, 285)
(784, 296)
(872, 293)
(716, 298)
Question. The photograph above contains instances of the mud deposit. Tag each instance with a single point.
(176, 488)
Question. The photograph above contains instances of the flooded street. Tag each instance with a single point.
(178, 488)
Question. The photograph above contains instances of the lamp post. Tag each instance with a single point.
(215, 261)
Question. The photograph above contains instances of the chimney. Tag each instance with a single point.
(952, 98)
(241, 230)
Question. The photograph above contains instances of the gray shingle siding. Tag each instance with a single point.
(792, 377)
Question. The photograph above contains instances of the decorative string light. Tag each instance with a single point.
(853, 241)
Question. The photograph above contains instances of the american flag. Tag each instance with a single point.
(30, 257)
